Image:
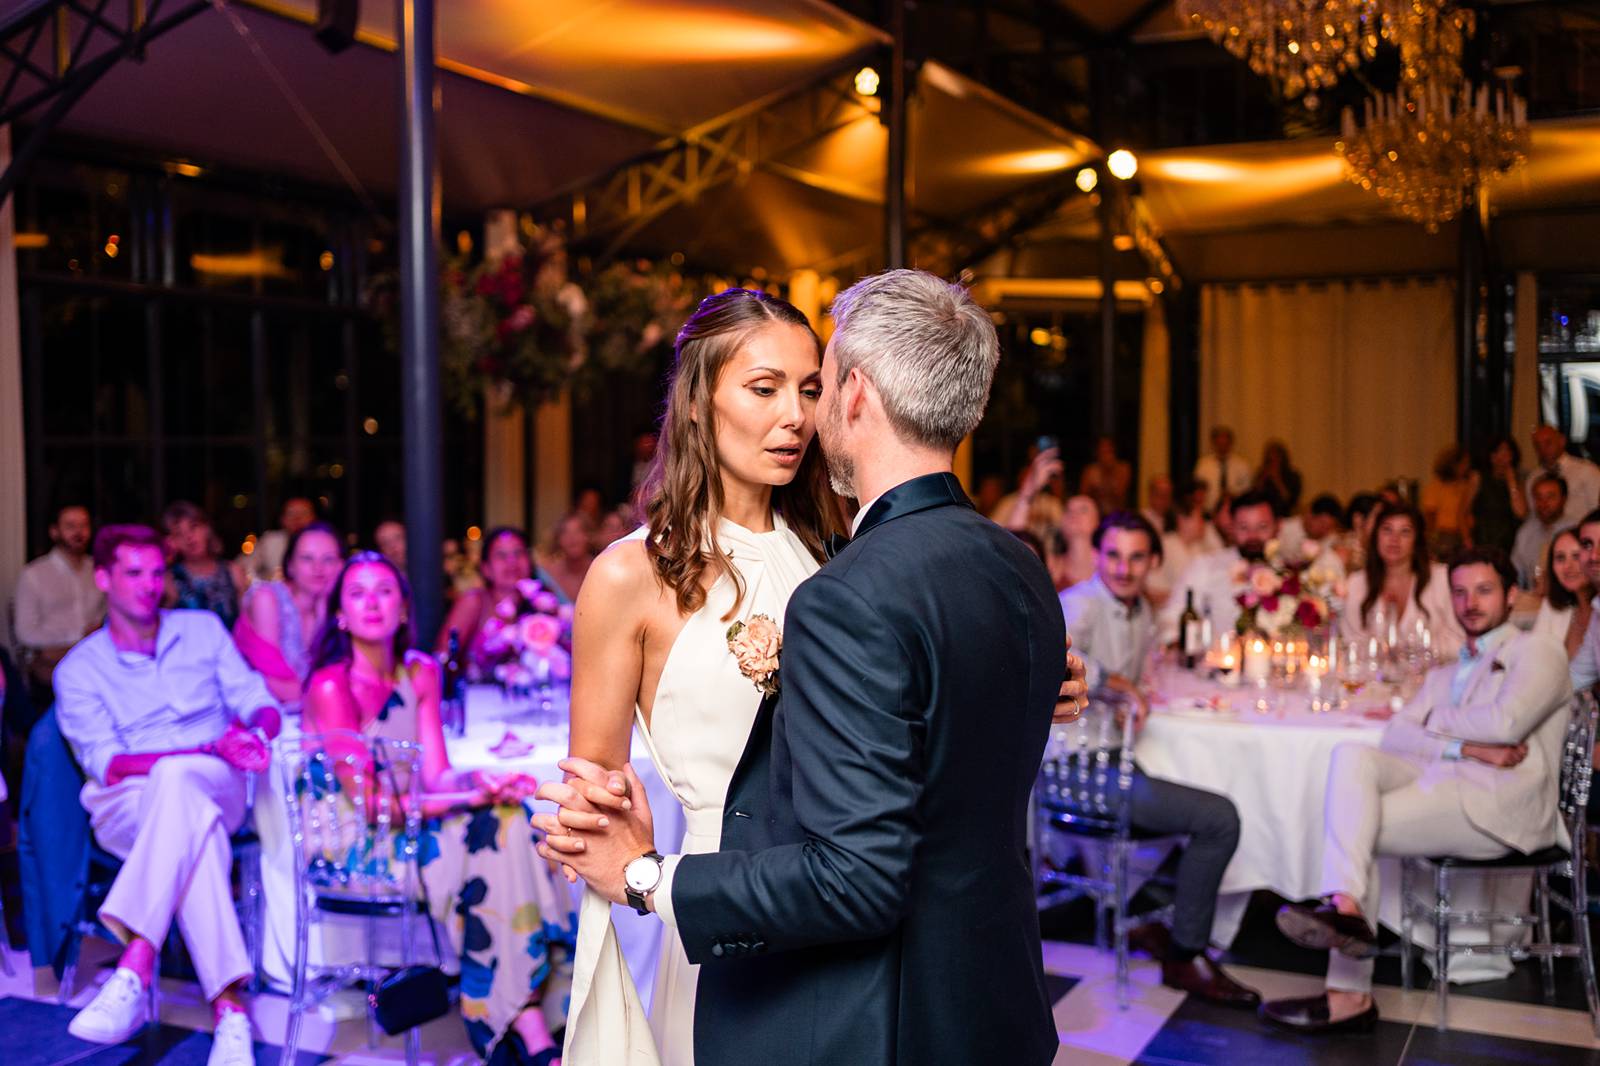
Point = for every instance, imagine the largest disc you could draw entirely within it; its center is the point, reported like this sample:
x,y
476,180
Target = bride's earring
x,y
341,624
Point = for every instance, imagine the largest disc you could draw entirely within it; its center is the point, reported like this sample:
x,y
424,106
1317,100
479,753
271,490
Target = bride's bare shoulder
x,y
623,570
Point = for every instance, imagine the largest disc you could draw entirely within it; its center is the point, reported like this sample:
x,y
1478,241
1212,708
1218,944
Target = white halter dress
x,y
703,713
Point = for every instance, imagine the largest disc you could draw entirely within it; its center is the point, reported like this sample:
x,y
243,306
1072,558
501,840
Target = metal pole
x,y
422,462
895,195
1105,410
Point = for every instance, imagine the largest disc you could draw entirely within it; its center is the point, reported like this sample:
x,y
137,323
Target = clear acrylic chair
x,y
1577,763
1083,791
354,815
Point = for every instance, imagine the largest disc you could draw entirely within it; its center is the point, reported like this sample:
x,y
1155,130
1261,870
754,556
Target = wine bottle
x,y
1190,644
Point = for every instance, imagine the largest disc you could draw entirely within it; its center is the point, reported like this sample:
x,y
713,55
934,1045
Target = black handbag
x,y
413,995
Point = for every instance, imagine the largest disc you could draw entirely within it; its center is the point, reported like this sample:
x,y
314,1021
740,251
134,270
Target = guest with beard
x,y
1215,579
1469,767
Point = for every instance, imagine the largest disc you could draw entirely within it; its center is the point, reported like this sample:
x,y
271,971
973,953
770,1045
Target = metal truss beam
x,y
54,51
947,250
762,135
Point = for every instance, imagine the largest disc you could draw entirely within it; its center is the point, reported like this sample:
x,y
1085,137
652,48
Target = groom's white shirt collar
x,y
855,525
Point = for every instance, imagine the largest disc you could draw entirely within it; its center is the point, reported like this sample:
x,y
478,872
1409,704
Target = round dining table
x,y
1268,748
526,734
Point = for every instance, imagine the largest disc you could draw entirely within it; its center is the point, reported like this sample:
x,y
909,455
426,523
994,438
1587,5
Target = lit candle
x,y
1228,668
1257,662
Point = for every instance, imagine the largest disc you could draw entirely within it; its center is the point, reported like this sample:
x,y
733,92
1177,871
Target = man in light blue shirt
x,y
166,720
1113,629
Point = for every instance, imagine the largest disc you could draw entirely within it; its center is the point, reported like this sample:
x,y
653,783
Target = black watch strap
x,y
636,900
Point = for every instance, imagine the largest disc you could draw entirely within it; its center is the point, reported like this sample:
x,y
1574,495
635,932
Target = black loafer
x,y
1323,928
1310,1016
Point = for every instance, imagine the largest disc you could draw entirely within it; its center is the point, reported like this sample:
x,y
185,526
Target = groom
x,y
872,901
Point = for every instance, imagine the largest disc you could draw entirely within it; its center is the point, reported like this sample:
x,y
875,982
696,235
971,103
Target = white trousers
x,y
1383,804
171,830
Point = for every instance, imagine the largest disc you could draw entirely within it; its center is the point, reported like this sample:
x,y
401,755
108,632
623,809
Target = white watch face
x,y
642,874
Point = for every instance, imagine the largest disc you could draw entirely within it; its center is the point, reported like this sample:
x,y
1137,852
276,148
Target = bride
x,y
737,507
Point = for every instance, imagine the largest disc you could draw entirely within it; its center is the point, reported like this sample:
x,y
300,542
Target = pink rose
x,y
547,603
1263,581
540,632
528,588
507,609
755,645
520,319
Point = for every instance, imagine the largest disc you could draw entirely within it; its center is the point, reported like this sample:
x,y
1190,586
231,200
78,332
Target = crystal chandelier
x,y
1303,46
1425,150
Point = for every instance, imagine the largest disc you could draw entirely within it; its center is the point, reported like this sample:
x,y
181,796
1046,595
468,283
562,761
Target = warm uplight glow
x,y
371,426
1040,336
1087,179
267,263
1123,242
1040,161
188,170
474,533
29,241
325,261
867,81
1155,285
1123,164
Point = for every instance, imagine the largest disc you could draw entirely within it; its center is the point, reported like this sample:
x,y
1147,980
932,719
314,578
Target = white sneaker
x,y
116,1012
231,1042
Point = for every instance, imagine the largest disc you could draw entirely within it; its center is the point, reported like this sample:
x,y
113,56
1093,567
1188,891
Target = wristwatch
x,y
640,878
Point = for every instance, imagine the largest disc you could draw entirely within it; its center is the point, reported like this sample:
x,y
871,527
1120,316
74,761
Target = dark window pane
x,y
67,365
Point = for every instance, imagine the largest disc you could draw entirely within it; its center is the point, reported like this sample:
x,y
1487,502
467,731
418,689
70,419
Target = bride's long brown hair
x,y
682,498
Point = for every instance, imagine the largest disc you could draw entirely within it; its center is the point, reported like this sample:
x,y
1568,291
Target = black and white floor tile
x,y
1503,1022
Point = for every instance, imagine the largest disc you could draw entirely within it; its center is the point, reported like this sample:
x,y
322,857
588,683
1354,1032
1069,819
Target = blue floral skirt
x,y
509,917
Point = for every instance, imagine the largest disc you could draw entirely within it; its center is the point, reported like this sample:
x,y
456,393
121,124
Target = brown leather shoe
x,y
1202,977
1310,1016
1152,938
1323,928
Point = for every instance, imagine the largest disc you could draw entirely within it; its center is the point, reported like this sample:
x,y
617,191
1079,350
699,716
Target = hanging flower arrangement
x,y
524,327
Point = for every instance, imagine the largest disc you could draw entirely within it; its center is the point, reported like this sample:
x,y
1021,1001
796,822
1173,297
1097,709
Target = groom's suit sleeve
x,y
858,776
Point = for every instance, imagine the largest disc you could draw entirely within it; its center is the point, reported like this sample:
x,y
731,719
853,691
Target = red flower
x,y
519,319
1291,584
1307,615
1269,604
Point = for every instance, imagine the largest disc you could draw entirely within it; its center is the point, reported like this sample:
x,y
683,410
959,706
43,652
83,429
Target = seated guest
x,y
1468,768
1277,478
265,562
1214,578
565,561
1586,664
1190,536
1446,500
1565,607
1499,504
1036,505
1352,544
1076,562
1549,495
166,719
617,523
1114,631
505,562
281,618
1581,477
390,539
199,579
482,867
1108,480
1308,538
1160,504
1401,586
57,601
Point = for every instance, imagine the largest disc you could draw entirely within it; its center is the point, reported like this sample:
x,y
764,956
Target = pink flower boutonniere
x,y
755,645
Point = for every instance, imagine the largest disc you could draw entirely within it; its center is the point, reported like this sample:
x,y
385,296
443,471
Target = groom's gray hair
x,y
927,347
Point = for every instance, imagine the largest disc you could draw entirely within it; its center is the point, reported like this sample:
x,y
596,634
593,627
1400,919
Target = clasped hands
x,y
602,823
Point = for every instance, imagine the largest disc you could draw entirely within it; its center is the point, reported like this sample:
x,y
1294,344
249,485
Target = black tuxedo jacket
x,y
872,901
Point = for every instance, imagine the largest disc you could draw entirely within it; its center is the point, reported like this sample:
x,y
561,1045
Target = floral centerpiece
x,y
1282,599
527,641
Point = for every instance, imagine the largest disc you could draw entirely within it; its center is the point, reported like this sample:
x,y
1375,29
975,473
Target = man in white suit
x,y
1469,768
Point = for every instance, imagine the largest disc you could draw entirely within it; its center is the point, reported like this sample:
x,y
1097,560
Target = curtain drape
x,y
1358,378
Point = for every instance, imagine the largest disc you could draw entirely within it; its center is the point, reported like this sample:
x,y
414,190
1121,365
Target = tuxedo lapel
x,y
909,497
1483,672
757,749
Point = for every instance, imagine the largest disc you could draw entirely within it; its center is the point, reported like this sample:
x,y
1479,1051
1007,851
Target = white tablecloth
x,y
489,718
1266,751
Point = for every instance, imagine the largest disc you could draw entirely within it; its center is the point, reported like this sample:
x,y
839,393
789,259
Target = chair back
x,y
1088,767
1577,765
355,815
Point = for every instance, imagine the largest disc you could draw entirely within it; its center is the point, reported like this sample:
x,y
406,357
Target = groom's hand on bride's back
x,y
1074,695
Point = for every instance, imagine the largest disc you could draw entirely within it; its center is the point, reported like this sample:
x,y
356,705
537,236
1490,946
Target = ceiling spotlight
x,y
1087,179
1122,164
867,81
